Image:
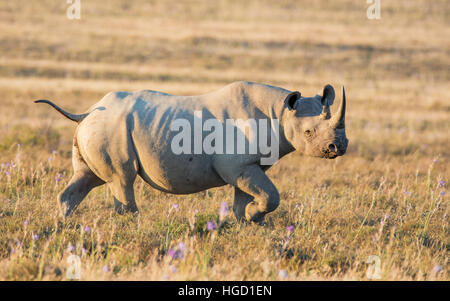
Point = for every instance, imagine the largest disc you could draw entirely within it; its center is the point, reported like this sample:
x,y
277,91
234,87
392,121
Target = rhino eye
x,y
309,134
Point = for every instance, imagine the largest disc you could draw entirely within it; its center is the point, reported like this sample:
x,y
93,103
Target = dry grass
x,y
385,197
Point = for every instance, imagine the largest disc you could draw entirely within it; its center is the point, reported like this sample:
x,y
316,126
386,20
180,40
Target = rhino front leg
x,y
255,183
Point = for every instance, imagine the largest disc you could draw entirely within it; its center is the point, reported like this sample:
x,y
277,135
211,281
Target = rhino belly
x,y
178,174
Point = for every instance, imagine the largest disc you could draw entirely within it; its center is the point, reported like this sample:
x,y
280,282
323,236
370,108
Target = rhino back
x,y
143,120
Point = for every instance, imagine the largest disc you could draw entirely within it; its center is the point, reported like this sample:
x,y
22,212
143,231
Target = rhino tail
x,y
74,117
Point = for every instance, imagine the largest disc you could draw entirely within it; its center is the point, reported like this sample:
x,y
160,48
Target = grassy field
x,y
388,196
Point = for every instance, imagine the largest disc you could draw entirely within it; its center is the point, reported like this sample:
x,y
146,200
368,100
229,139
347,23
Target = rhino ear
x,y
328,96
291,100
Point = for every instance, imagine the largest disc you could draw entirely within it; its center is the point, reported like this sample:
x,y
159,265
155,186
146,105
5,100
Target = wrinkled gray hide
x,y
129,133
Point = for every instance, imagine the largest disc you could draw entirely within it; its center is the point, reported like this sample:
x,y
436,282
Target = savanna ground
x,y
388,196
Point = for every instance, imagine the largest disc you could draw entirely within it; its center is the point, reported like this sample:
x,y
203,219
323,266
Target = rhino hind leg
x,y
111,154
124,200
122,182
83,181
255,183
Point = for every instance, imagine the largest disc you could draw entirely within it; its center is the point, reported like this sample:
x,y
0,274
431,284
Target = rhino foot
x,y
252,213
122,209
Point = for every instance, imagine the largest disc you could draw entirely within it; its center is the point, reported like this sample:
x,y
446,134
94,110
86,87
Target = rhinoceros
x,y
127,134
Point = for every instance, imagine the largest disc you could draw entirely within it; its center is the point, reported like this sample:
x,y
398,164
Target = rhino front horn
x,y
338,120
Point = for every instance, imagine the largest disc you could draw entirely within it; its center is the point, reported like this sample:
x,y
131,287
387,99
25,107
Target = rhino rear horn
x,y
338,120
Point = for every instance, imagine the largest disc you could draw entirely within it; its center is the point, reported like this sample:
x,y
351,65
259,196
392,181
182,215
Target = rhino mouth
x,y
331,156
327,154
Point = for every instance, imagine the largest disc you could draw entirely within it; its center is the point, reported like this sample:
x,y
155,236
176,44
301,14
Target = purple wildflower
x,y
83,250
178,252
35,236
71,248
290,229
175,206
437,269
210,226
106,269
406,192
58,177
173,269
442,193
441,183
172,253
383,221
223,211
26,222
283,274
182,246
87,229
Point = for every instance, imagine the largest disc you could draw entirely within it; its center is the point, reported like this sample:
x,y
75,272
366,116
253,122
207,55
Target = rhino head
x,y
311,129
